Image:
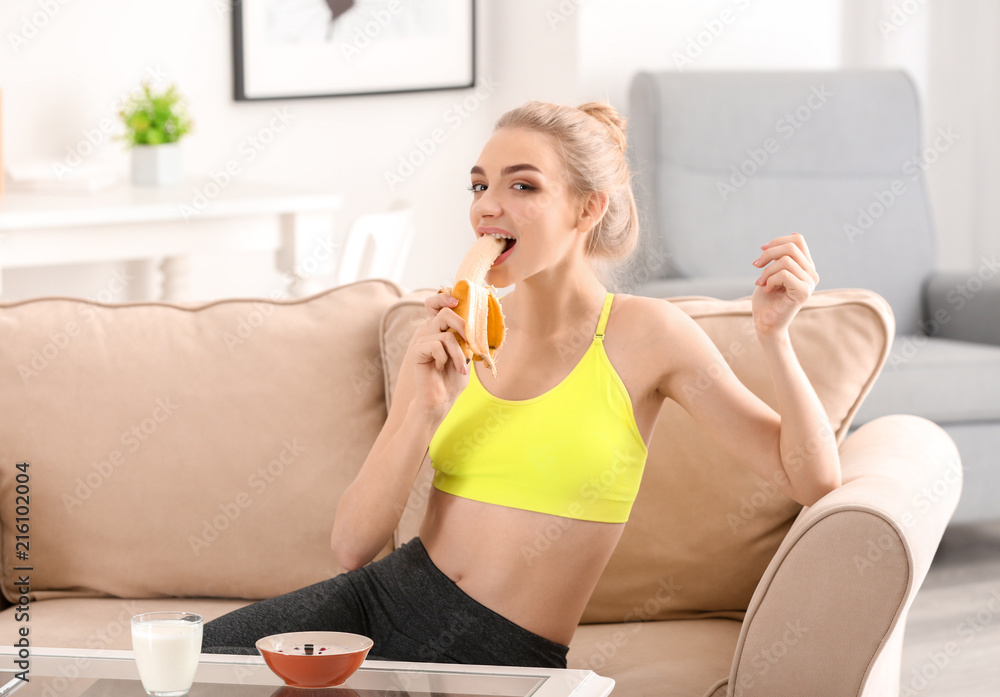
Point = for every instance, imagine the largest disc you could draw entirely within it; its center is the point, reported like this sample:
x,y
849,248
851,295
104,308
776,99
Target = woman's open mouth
x,y
507,250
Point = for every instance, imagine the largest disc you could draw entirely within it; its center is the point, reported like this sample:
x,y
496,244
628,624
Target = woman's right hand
x,y
440,371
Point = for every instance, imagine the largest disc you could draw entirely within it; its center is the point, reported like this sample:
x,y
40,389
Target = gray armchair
x,y
724,161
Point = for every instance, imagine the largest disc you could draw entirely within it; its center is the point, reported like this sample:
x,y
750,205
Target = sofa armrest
x,y
828,615
964,306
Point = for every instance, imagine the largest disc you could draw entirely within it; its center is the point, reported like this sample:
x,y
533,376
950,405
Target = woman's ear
x,y
595,205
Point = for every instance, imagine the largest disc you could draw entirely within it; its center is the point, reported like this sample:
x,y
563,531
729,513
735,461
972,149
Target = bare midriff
x,y
535,569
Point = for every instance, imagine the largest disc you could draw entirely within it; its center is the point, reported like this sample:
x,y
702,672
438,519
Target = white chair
x,y
377,246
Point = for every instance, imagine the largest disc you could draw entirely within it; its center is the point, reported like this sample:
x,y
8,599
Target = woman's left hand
x,y
788,279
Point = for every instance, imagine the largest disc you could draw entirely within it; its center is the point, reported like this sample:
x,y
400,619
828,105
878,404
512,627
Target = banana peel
x,y
478,304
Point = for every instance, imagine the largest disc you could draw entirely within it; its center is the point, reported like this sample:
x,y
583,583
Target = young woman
x,y
517,452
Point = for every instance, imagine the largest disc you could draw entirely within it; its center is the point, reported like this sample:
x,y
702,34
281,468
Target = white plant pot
x,y
157,165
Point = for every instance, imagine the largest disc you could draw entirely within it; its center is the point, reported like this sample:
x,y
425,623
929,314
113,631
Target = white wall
x,y
68,77
950,50
616,39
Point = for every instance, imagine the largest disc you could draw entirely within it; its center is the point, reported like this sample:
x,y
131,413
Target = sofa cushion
x,y
704,527
102,623
185,449
680,658
946,381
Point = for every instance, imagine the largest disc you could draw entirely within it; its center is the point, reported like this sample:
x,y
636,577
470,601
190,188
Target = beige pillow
x,y
704,527
398,326
186,450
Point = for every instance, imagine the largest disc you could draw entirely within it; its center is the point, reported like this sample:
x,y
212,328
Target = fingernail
x,y
756,262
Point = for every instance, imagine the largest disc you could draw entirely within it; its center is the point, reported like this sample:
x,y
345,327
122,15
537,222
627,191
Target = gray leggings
x,y
405,604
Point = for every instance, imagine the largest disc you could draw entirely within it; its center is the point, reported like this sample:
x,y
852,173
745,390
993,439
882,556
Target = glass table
x,y
108,673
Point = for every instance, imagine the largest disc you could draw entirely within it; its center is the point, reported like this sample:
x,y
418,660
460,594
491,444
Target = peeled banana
x,y
477,304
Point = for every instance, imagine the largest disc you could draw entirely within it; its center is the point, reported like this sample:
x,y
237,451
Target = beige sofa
x,y
192,457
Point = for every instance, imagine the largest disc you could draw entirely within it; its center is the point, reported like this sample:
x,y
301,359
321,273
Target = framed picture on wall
x,y
286,49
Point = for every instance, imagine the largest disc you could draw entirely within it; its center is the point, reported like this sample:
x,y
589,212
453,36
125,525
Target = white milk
x,y
166,653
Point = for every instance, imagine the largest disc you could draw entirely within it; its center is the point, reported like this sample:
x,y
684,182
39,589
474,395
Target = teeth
x,y
498,235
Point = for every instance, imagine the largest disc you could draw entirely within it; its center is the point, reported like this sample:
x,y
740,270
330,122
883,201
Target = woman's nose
x,y
486,205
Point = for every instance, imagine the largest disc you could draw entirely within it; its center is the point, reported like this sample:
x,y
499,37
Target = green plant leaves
x,y
153,119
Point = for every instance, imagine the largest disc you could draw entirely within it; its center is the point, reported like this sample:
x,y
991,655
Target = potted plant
x,y
154,125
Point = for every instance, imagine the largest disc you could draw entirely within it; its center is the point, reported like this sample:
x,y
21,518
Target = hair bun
x,y
609,116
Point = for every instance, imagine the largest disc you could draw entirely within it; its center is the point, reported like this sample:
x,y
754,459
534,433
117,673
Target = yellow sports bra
x,y
574,451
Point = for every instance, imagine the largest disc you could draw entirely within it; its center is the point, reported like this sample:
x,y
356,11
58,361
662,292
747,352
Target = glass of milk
x,y
167,646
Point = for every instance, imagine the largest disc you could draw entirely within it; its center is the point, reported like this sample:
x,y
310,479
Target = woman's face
x,y
520,188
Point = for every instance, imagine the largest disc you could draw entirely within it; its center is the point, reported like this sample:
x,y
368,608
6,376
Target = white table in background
x,y
128,222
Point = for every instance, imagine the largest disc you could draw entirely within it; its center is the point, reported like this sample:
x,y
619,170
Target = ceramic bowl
x,y
314,659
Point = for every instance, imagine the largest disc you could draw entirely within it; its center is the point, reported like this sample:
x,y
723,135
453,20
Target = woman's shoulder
x,y
643,313
646,338
653,329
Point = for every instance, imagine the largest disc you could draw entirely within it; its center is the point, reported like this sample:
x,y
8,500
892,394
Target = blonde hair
x,y
591,139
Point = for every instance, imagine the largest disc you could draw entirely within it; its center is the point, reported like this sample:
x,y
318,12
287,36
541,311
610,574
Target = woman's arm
x,y
372,504
794,448
808,446
432,374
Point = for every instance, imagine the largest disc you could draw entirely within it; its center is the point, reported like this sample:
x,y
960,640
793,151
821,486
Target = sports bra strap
x,y
605,311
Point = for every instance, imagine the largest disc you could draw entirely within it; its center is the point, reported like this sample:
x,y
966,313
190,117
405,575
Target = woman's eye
x,y
521,186
477,188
